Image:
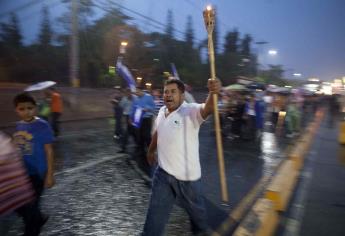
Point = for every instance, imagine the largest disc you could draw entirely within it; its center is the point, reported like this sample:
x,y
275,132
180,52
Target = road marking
x,y
88,164
139,171
293,224
80,133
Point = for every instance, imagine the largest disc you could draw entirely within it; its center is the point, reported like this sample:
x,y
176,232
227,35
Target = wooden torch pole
x,y
209,18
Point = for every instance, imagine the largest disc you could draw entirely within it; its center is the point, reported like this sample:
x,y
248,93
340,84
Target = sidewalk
x,y
318,205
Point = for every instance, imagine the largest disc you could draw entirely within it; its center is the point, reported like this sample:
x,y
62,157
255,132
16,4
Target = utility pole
x,y
74,49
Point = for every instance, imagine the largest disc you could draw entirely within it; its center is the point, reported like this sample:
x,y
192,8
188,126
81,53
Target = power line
x,y
158,24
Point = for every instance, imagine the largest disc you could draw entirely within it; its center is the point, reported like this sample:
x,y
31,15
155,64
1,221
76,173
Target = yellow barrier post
x,y
342,132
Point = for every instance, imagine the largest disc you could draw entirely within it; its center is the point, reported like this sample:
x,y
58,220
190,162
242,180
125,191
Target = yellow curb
x,y
261,220
342,133
284,181
281,186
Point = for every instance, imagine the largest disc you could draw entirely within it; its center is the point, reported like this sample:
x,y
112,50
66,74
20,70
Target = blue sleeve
x,y
134,104
47,135
151,104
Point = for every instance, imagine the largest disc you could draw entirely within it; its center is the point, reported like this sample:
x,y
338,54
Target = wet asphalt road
x,y
101,192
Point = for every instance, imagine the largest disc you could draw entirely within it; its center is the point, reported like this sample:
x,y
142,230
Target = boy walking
x,y
34,137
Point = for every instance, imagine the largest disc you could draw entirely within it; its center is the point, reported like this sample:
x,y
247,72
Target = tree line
x,y
148,55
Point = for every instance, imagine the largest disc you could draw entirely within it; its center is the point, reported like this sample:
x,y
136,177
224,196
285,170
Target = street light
x,y
297,74
139,79
272,52
148,86
123,46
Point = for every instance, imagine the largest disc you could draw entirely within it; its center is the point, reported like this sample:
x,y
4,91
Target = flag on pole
x,y
123,71
174,71
137,116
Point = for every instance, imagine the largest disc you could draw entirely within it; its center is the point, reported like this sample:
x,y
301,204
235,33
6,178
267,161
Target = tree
x,y
231,42
230,60
10,33
11,53
245,46
169,30
46,33
99,45
189,34
189,63
249,61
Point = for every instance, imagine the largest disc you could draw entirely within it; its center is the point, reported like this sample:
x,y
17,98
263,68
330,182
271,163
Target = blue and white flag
x,y
137,116
123,71
174,71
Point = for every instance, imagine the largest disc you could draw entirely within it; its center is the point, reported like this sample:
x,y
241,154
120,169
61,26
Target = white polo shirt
x,y
178,141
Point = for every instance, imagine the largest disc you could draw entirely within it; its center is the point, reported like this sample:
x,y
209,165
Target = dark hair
x,y
179,83
23,97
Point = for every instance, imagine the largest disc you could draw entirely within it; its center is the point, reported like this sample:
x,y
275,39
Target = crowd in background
x,y
245,114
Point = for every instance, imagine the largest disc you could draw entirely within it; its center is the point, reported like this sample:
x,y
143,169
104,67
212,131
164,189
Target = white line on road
x,y
293,223
89,164
80,133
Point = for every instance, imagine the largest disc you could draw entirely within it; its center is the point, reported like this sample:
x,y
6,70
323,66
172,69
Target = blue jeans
x,y
166,189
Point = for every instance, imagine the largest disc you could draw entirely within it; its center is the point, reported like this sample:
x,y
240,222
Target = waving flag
x,y
174,71
137,116
123,71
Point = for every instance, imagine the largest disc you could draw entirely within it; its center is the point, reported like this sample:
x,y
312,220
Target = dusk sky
x,y
309,35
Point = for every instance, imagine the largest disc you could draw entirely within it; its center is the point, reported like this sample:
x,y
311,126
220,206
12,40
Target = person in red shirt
x,y
55,108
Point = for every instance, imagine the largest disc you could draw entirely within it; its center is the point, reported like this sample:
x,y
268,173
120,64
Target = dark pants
x,y
31,212
144,135
274,119
166,190
55,122
237,126
127,133
251,127
118,122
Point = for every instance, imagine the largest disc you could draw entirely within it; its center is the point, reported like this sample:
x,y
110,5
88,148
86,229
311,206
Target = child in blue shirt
x,y
34,137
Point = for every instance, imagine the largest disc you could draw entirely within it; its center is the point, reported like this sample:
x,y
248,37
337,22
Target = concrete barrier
x,y
300,149
296,156
281,186
262,220
342,132
263,216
